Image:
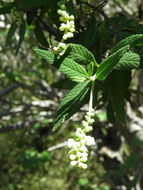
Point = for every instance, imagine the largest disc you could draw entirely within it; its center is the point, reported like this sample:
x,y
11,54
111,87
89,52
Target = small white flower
x,y
67,35
63,13
72,30
68,25
70,34
90,141
77,133
87,118
72,156
84,124
62,45
82,141
62,27
83,159
79,129
91,114
88,129
84,154
82,165
59,11
83,148
78,144
71,143
91,121
55,49
71,17
79,154
71,23
73,163
80,134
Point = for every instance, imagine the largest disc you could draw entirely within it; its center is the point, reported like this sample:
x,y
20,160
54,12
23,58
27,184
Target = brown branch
x,y
48,27
97,9
8,89
13,128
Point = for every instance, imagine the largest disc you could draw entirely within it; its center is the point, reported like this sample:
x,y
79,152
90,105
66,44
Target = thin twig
x,y
61,145
48,27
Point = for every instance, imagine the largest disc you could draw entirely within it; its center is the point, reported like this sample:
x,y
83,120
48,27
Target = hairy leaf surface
x,y
80,54
72,102
48,56
75,71
109,63
131,40
129,61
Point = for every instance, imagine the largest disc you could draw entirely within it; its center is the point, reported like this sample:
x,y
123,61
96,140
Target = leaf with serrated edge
x,y
109,63
129,61
75,71
81,54
131,40
72,108
48,56
72,102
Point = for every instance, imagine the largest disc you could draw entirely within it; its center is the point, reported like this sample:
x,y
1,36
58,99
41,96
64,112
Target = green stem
x,y
96,64
91,96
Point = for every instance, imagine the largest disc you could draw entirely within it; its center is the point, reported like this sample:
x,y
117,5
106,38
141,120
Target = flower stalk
x,y
67,27
78,145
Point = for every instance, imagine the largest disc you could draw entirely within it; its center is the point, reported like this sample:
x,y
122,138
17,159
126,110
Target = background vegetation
x,y
32,157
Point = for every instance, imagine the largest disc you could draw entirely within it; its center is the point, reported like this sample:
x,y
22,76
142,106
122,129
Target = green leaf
x,y
6,9
109,63
80,54
72,102
47,55
21,34
90,68
40,35
11,33
75,71
89,34
131,40
118,90
74,93
129,61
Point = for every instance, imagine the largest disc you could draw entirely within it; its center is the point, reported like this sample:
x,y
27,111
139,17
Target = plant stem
x,y
91,96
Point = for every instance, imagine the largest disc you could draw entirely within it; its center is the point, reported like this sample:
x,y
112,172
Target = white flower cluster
x,y
67,26
79,152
